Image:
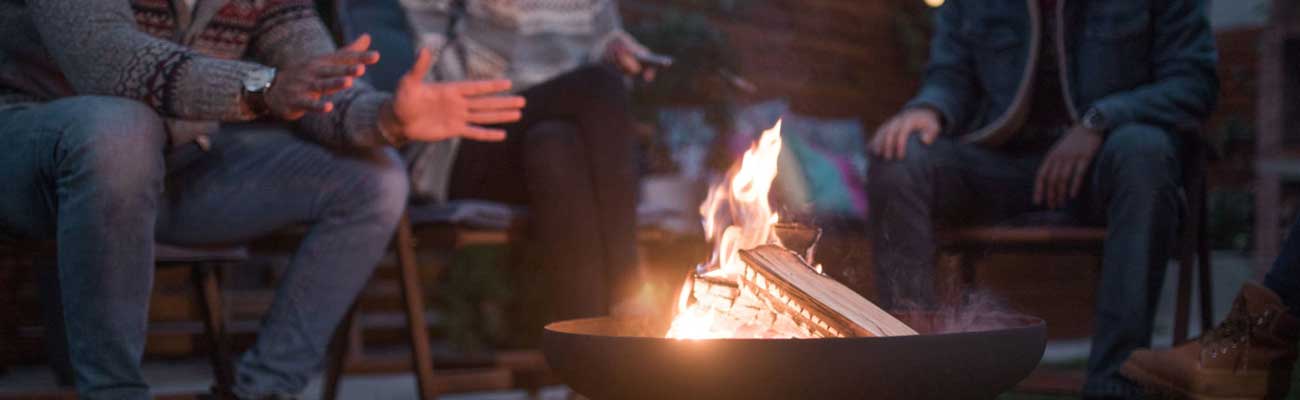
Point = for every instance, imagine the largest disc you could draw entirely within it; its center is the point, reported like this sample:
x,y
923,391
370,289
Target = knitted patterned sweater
x,y
186,64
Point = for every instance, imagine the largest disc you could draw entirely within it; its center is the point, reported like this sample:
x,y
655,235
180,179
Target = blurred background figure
x,y
1047,105
570,160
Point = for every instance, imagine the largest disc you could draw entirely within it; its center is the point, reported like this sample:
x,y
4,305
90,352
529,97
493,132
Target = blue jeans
x,y
96,174
1133,189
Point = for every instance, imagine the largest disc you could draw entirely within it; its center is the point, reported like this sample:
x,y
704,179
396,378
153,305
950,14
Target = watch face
x,y
258,80
1094,120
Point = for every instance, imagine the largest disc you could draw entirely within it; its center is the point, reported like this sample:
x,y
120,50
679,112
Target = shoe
x,y
1249,355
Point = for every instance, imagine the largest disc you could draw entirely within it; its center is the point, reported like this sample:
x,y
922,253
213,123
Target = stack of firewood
x,y
742,312
780,295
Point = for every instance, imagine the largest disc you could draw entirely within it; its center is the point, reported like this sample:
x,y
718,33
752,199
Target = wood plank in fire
x,y
816,301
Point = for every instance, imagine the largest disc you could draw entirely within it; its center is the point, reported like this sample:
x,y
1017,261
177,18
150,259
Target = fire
x,y
743,198
736,215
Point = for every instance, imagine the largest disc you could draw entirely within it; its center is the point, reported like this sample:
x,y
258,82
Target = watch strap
x,y
256,101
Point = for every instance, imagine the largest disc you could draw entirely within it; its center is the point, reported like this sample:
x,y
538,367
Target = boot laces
x,y
1233,331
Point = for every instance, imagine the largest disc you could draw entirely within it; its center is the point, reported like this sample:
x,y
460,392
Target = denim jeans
x,y
96,174
1284,277
1133,189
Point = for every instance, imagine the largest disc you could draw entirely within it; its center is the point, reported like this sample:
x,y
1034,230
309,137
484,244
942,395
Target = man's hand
x,y
435,111
298,89
1061,176
890,140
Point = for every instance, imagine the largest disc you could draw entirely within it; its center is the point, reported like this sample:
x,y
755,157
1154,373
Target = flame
x,y
742,198
736,215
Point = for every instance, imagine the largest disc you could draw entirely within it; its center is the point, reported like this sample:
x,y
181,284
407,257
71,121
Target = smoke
x,y
939,303
977,311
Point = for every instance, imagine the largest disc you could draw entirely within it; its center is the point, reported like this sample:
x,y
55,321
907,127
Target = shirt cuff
x,y
362,120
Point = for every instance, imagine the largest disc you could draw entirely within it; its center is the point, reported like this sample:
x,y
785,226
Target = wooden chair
x,y
442,231
204,263
970,244
1193,251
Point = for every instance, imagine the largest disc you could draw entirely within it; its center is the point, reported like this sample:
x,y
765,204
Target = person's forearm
x,y
354,122
296,34
101,52
390,126
1185,87
1183,103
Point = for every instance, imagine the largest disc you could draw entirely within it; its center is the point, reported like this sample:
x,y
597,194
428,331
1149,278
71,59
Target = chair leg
x,y
1184,303
338,356
8,311
206,281
1204,265
413,297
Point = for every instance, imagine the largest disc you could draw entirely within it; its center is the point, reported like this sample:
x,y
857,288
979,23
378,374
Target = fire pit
x,y
607,359
760,320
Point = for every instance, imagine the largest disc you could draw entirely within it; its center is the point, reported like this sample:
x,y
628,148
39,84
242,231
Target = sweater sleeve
x,y
101,51
289,32
608,26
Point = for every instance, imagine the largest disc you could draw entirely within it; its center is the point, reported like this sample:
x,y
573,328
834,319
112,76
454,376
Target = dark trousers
x,y
571,161
1284,277
1133,189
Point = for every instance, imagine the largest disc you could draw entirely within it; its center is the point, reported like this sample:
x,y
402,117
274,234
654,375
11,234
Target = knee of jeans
x,y
1139,153
115,141
894,174
380,185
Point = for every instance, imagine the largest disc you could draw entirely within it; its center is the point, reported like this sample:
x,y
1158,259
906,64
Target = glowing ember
x,y
737,216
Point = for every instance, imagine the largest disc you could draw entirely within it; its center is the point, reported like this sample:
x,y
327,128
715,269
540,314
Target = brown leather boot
x,y
1250,354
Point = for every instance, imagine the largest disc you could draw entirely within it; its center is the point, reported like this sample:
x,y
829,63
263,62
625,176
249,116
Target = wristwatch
x,y
254,87
1096,121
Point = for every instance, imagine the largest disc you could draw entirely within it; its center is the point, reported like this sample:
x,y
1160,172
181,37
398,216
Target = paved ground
x,y
1230,271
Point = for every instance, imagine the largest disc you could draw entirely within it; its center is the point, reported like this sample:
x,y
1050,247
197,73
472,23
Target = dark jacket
x,y
1135,61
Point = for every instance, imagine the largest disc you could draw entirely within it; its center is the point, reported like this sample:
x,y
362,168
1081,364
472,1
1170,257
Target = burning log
x,y
768,291
738,313
814,301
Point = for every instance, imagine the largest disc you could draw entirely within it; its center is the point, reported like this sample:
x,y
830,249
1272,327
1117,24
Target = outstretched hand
x,y
425,111
300,88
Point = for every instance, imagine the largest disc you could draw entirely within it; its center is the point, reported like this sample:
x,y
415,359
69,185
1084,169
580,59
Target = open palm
x,y
429,111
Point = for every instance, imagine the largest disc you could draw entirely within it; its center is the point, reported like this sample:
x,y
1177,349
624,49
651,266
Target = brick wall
x,y
831,58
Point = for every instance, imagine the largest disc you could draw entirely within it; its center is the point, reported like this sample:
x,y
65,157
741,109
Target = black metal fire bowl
x,y
609,359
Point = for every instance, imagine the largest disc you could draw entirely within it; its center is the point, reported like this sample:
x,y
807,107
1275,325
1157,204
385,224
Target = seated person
x,y
1081,106
1250,355
117,117
571,158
